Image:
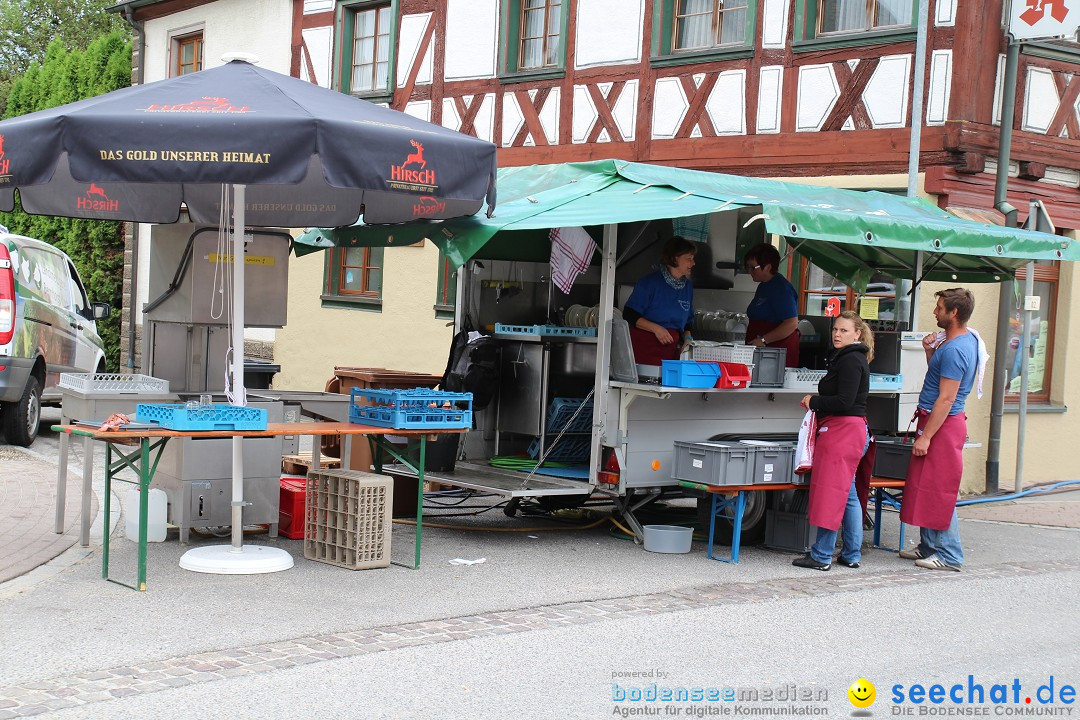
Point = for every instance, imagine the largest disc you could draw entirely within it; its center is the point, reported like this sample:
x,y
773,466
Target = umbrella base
x,y
226,560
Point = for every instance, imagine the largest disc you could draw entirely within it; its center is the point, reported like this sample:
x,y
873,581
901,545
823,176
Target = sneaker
x,y
913,554
845,563
808,562
935,563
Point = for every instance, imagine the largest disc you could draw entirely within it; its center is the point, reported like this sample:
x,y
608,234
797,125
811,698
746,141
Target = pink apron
x,y
839,457
933,479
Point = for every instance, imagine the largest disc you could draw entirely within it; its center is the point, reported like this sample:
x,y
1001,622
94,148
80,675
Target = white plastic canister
x,y
157,508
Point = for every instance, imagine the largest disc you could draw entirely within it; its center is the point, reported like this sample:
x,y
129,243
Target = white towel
x,y
571,251
984,356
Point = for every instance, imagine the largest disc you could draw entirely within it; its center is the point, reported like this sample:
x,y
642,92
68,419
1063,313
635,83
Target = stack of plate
x,y
582,316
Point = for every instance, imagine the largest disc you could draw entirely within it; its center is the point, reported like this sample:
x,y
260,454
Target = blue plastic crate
x,y
879,381
544,330
202,417
562,409
689,374
419,408
569,449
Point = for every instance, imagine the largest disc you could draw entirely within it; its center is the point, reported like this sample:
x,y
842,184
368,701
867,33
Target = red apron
x,y
757,328
839,457
649,351
933,479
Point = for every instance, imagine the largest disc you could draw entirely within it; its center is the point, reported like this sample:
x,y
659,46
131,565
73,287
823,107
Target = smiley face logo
x,y
862,693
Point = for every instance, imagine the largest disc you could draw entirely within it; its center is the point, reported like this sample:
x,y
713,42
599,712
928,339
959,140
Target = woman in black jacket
x,y
841,445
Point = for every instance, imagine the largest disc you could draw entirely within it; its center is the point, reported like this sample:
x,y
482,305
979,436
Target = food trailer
x,y
558,362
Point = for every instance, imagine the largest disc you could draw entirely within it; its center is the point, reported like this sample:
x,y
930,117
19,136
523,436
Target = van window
x,y
45,275
78,295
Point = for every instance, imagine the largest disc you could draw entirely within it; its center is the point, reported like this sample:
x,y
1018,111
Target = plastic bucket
x,y
668,538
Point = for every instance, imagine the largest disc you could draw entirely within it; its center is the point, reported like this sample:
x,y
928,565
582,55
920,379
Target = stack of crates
x,y
348,518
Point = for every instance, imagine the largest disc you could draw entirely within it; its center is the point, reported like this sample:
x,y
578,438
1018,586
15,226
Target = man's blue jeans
x,y
851,526
945,543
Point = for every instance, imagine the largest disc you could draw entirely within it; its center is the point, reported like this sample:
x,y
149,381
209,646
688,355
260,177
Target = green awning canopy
x,y
847,233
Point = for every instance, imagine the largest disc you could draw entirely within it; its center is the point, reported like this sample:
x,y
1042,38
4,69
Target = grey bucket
x,y
668,538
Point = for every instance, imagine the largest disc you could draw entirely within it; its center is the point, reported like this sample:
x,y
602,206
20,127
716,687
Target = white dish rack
x,y
112,383
723,352
802,378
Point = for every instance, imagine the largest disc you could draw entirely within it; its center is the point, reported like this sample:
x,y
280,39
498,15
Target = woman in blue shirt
x,y
774,311
660,310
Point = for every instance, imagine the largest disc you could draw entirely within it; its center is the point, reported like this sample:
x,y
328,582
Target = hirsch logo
x,y
205,105
96,200
428,205
413,174
5,164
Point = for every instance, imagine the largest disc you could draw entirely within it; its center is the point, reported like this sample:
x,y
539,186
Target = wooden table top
x,y
272,429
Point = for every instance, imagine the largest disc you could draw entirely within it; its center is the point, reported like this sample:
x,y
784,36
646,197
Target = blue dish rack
x,y
202,417
417,409
879,381
569,449
544,330
562,409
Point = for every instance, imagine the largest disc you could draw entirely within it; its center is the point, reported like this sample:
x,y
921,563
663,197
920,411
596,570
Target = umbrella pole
x,y
238,397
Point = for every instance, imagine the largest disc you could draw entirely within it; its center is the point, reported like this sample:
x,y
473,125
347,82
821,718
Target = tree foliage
x,y
95,246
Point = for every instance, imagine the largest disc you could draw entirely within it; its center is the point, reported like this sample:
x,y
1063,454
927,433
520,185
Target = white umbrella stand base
x,y
227,560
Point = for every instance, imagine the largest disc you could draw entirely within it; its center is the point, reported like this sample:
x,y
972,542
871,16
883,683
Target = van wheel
x,y
753,525
22,418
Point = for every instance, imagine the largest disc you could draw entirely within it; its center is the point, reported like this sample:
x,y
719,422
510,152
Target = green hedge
x,y
95,246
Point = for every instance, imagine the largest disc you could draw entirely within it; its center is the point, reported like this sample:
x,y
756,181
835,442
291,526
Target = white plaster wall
x,y
937,106
774,24
818,91
585,113
419,109
770,87
484,122
625,110
314,6
727,103
472,39
998,89
411,33
945,14
608,31
513,120
669,107
886,94
1041,102
405,335
320,46
260,27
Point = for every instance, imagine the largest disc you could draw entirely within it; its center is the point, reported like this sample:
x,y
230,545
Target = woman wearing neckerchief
x,y
843,452
660,310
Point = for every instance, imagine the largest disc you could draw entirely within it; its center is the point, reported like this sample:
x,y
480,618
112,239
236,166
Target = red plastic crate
x,y
291,510
733,375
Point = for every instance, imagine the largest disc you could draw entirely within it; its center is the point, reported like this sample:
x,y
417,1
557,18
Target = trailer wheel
x,y
753,525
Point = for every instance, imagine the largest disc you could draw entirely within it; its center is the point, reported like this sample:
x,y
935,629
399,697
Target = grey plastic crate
x,y
893,457
769,366
713,462
772,462
789,531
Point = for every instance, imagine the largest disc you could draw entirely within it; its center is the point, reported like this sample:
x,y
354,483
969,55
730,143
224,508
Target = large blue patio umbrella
x,y
281,151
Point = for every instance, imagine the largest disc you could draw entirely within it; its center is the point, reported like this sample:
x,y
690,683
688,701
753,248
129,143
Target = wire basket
x,y
802,378
112,383
723,352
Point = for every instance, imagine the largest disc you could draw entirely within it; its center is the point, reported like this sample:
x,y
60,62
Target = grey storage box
x,y
893,457
713,462
772,462
769,366
789,531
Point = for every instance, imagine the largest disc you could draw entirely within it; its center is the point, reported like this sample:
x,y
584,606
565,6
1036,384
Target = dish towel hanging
x,y
571,251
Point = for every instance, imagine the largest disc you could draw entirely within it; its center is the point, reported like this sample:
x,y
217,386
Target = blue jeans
x,y
945,543
851,526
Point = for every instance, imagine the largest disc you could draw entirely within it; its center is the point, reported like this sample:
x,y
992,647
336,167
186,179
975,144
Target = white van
x,y
47,327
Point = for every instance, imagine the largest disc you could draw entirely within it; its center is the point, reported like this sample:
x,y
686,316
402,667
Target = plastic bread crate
x,y
202,417
733,376
713,462
769,367
348,518
803,378
416,409
689,374
886,382
112,383
569,449
544,330
893,458
562,409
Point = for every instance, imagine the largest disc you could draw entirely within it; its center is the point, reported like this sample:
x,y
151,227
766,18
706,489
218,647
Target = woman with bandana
x,y
660,310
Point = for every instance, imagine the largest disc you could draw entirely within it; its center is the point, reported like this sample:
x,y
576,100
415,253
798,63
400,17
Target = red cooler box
x,y
292,506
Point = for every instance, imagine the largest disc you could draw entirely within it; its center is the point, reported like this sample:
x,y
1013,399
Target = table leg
x,y
61,485
712,526
87,490
108,504
878,499
144,504
420,499
736,533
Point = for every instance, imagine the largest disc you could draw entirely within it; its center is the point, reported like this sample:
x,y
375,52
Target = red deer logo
x,y
95,190
96,201
417,156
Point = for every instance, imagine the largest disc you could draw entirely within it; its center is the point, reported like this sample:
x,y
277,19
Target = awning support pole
x,y
998,377
1025,345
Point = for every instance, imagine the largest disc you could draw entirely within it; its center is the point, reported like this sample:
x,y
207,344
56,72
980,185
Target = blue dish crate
x,y
562,409
569,449
689,374
545,330
419,408
879,381
202,417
